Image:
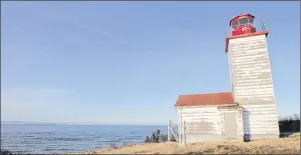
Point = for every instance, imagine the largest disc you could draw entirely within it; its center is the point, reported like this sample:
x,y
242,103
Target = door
x,y
231,126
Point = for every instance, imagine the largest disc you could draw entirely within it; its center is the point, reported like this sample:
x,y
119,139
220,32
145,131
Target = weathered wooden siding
x,y
252,84
260,121
250,67
204,124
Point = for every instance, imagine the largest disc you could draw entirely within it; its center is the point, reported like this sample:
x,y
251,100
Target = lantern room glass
x,y
252,22
243,22
234,24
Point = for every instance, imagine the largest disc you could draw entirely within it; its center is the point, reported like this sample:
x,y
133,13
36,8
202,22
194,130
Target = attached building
x,y
209,117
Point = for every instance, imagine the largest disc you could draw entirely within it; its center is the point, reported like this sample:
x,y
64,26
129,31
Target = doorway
x,y
231,125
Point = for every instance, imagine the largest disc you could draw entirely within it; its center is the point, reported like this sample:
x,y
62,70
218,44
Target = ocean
x,y
51,138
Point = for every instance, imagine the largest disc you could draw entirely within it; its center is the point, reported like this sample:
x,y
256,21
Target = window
x,y
252,21
243,21
235,24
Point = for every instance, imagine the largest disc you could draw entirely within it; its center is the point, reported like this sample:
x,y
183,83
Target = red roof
x,y
241,15
205,99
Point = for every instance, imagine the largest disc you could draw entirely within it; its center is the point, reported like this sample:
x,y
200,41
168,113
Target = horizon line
x,y
64,123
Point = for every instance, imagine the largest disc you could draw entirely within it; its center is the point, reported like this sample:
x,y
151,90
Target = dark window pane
x,y
243,21
252,21
235,24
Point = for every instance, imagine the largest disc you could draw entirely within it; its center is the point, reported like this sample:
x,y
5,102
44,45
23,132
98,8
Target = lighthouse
x,y
251,77
246,112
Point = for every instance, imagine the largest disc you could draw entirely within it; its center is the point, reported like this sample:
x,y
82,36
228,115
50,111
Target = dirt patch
x,y
290,145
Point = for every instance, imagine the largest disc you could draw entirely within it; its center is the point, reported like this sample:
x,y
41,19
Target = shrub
x,y
156,137
163,138
289,124
5,152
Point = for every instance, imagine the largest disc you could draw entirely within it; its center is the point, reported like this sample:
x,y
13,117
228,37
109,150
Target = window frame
x,y
245,23
237,25
253,23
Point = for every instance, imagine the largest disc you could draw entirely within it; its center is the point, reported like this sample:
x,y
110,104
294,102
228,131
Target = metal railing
x,y
171,132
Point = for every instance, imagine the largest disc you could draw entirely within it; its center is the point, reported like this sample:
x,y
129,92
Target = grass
x,y
253,148
232,149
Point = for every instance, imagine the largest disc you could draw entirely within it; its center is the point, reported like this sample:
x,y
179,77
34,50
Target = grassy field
x,y
289,145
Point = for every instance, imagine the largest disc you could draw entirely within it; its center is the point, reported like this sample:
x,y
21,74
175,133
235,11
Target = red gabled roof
x,y
205,99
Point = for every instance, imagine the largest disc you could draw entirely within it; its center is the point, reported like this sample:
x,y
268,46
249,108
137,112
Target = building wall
x,y
260,121
253,86
197,124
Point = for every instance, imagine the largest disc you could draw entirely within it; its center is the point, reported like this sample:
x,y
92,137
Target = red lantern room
x,y
242,24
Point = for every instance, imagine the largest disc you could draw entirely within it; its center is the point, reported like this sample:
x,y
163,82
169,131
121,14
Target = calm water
x,y
70,138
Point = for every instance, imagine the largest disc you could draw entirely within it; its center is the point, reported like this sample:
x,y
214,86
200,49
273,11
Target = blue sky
x,y
127,62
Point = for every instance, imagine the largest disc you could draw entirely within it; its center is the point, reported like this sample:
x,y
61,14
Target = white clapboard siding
x,y
200,120
260,119
249,60
252,84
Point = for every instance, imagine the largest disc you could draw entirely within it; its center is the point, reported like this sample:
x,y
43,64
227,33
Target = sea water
x,y
51,138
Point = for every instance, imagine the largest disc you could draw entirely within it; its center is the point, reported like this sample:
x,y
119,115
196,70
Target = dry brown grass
x,y
290,145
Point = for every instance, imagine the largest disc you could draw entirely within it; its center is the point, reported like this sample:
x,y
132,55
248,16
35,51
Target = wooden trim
x,y
199,106
236,107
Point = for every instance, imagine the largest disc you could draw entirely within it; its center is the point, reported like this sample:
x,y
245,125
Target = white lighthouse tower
x,y
251,78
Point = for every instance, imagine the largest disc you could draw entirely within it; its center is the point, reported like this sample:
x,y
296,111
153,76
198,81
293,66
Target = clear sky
x,y
127,62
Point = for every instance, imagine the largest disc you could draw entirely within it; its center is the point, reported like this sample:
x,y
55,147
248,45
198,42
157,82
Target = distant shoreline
x,y
53,123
